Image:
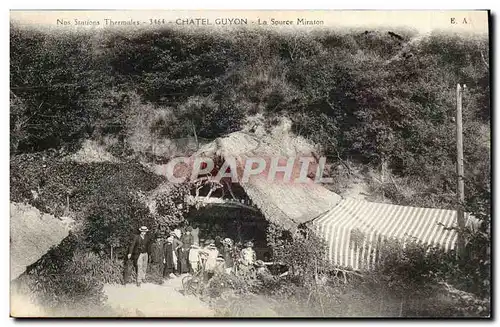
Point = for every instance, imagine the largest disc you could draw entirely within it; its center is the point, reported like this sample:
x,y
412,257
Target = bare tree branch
x,y
484,60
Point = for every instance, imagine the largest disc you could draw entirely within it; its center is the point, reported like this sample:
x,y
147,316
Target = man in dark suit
x,y
156,258
138,252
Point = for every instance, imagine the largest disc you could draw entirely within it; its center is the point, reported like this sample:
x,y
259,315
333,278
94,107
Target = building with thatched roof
x,y
353,229
281,201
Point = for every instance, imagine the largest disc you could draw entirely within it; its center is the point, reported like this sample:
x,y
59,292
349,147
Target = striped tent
x,y
354,229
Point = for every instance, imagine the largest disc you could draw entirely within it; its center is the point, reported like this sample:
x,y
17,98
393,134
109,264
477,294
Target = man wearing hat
x,y
228,254
170,258
176,245
138,252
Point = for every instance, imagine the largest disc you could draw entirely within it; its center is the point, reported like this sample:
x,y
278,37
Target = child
x,y
247,259
218,244
261,271
220,267
248,255
194,258
260,268
211,255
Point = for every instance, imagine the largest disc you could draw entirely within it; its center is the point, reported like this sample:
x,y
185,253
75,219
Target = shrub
x,y
303,253
91,265
56,180
204,116
169,204
114,219
420,277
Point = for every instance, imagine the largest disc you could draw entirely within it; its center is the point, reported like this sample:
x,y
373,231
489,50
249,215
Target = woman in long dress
x,y
168,267
171,247
176,234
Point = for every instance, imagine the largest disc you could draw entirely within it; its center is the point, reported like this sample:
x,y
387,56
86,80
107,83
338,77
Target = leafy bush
x,y
303,254
421,278
57,180
169,205
228,283
113,220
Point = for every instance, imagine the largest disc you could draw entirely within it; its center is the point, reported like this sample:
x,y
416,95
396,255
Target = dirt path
x,y
152,300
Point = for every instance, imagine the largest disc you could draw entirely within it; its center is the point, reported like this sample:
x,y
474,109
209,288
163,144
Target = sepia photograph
x,y
245,163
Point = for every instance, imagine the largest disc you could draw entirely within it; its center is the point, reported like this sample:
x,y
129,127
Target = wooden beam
x,y
460,174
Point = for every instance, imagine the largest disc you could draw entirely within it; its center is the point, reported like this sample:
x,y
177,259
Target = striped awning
x,y
354,230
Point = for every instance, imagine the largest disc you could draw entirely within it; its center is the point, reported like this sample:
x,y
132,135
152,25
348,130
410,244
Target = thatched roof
x,y
287,204
32,234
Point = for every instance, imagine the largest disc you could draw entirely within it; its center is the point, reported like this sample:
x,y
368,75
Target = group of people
x,y
184,252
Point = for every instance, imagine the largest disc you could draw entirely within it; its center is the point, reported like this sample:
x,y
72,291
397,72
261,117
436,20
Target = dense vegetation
x,y
371,97
384,100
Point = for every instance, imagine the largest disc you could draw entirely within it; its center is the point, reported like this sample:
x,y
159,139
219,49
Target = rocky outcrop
x,y
32,234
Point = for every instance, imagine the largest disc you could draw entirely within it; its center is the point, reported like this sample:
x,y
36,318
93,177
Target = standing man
x,y
156,258
228,254
138,251
187,241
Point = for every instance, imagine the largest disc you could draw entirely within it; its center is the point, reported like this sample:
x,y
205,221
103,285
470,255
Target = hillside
x,y
384,100
96,116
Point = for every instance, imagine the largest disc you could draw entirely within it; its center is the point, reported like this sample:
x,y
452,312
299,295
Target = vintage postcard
x,y
168,163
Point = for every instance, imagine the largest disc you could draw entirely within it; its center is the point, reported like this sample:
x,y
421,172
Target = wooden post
x,y
460,174
153,148
383,170
195,135
66,213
